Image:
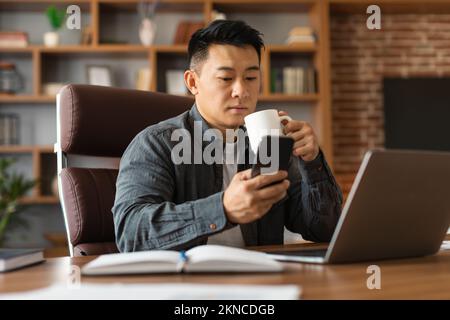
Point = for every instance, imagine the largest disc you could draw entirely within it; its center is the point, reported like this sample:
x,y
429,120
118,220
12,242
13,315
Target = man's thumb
x,y
245,175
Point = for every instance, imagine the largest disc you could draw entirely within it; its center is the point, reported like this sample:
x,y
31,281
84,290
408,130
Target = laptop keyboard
x,y
303,253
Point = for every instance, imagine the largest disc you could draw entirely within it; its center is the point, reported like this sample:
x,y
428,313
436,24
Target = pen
x,y
183,261
183,256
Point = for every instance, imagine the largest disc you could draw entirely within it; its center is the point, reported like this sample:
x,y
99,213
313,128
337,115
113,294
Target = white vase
x,y
147,31
51,39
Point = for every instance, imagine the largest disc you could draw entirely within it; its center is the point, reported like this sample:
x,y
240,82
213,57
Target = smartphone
x,y
285,145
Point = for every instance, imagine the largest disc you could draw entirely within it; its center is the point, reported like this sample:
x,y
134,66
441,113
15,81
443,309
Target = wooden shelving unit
x,y
277,97
36,152
317,53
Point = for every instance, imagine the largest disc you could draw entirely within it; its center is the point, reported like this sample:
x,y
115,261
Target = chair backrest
x,y
94,127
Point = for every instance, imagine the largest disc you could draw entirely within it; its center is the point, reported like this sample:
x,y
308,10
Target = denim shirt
x,y
162,205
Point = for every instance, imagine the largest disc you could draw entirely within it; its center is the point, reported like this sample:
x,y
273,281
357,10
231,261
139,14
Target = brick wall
x,y
407,45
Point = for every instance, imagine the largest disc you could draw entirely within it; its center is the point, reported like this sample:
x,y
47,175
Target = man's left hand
x,y
306,145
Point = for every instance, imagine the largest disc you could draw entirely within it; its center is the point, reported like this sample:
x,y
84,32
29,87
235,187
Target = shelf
x,y
11,98
99,48
391,6
40,5
176,48
165,6
27,49
25,149
104,48
292,48
263,6
39,200
49,99
311,97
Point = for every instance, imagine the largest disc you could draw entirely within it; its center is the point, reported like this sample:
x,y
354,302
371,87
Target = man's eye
x,y
226,79
251,78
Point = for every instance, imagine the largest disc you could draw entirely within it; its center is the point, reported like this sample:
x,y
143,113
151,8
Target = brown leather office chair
x,y
94,126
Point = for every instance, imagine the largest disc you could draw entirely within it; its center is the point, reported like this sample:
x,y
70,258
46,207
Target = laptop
x,y
398,207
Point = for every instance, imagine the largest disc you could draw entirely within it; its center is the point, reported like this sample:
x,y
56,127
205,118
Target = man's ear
x,y
190,79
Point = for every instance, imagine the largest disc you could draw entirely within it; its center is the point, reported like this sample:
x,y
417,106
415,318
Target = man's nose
x,y
240,89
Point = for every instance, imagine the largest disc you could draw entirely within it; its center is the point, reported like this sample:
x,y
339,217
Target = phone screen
x,y
269,161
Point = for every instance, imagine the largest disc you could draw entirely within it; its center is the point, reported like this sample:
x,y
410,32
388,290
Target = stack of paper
x,y
159,292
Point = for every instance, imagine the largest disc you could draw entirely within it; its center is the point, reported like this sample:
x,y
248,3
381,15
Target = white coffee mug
x,y
263,123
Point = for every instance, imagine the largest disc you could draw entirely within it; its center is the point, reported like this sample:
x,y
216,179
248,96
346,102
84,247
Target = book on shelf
x,y
185,30
180,33
9,129
300,40
11,259
13,39
217,15
299,35
143,79
289,80
310,81
293,80
205,258
194,26
276,78
51,89
86,35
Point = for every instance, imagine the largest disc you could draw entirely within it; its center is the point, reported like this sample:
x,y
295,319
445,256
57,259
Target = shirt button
x,y
213,226
320,168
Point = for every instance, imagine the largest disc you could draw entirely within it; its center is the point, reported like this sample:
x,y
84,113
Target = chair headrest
x,y
102,121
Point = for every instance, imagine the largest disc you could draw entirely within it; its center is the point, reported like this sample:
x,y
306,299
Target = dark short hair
x,y
236,33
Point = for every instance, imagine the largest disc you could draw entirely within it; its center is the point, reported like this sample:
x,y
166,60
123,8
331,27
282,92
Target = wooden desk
x,y
418,278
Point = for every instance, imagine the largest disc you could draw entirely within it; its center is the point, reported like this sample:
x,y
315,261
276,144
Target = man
x,y
163,205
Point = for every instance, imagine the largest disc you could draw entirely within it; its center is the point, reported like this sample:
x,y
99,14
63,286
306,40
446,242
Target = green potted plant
x,y
56,19
12,187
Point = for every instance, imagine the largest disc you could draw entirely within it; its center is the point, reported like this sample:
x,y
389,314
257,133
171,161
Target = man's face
x,y
227,85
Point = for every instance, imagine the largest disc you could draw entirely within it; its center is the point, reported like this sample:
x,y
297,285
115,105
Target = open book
x,y
206,258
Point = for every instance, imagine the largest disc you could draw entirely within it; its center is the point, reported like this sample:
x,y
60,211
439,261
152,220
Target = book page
x,y
215,258
134,262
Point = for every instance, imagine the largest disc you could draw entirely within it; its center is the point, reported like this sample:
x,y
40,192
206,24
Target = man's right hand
x,y
247,199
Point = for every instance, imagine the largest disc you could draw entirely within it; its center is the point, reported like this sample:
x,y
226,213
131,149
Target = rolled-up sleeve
x,y
145,216
315,200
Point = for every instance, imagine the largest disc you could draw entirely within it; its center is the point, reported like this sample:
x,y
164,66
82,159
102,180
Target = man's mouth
x,y
238,107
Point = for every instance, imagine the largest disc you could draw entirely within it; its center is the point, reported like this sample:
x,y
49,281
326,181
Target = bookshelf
x,y
43,162
114,22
